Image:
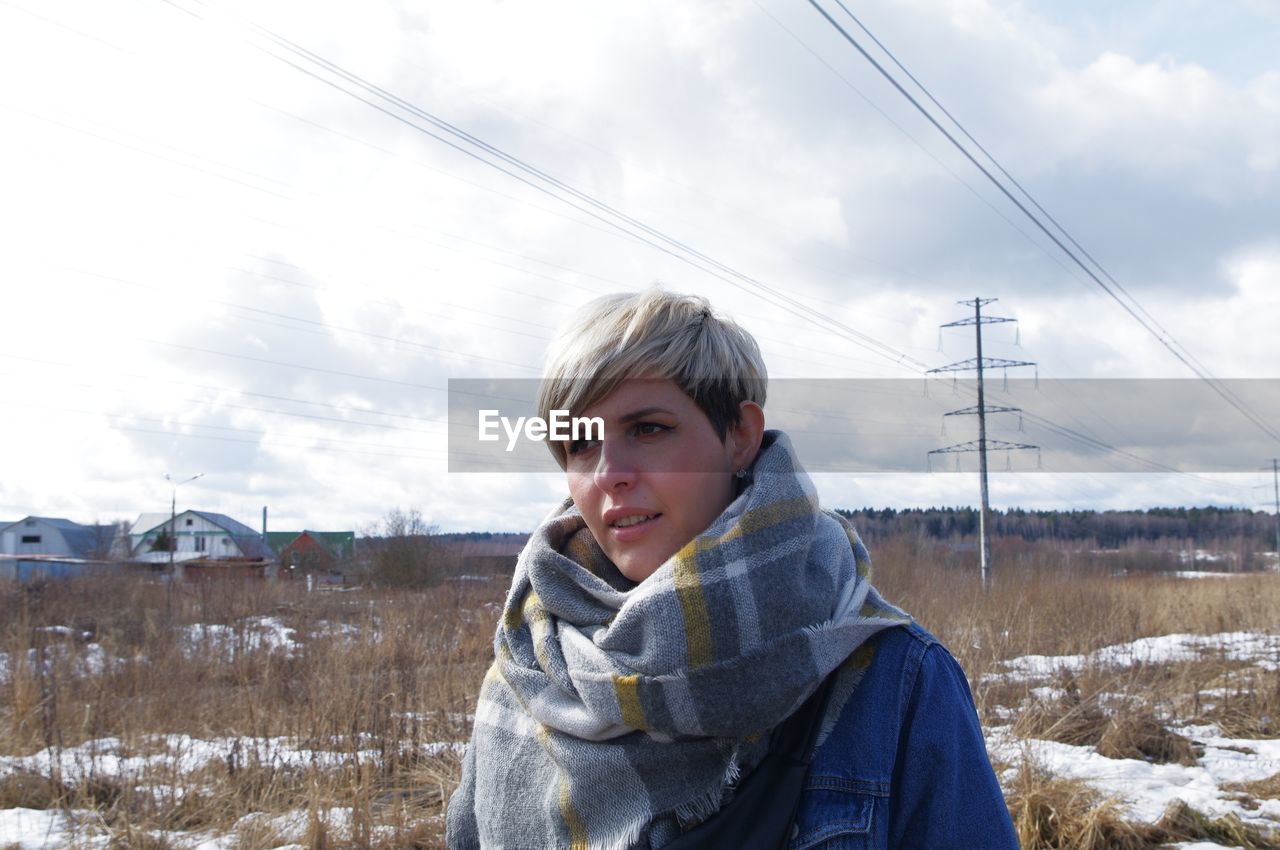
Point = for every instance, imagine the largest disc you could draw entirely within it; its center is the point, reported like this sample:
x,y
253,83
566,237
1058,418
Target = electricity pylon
x,y
980,364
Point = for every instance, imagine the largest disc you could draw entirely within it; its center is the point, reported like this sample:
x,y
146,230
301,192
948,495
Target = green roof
x,y
341,544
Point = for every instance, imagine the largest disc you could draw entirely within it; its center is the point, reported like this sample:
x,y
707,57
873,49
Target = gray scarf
x,y
617,715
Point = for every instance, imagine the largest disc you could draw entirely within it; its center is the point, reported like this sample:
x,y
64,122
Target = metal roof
x,y
340,544
252,546
82,540
222,520
147,522
87,541
57,522
152,521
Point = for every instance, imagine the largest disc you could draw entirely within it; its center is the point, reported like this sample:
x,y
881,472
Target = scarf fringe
x,y
704,806
628,841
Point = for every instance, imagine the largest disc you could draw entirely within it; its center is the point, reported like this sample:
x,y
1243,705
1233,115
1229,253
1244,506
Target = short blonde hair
x,y
657,335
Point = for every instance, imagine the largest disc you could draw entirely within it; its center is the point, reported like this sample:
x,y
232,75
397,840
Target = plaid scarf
x,y
618,715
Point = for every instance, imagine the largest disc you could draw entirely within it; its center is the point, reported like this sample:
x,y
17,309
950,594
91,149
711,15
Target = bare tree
x,y
402,550
106,540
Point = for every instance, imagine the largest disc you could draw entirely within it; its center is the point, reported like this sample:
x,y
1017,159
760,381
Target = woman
x,y
689,626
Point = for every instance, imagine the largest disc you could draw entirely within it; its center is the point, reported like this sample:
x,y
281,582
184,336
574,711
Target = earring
x,y
741,473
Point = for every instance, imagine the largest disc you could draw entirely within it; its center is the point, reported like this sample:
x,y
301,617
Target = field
x,y
239,716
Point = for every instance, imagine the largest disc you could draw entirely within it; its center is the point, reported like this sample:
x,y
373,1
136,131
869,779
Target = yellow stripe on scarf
x,y
767,516
577,829
697,620
582,553
530,608
871,610
861,657
627,689
859,553
533,613
493,674
688,582
572,820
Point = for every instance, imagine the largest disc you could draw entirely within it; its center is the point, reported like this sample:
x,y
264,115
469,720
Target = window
x,y
201,543
226,541
30,523
190,522
31,538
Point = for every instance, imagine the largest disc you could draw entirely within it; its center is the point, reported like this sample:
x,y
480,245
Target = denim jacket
x,y
905,766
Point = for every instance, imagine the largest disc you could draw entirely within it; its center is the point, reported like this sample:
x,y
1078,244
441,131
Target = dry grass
x,y
1126,728
373,682
1266,789
1183,823
25,790
1042,602
1250,707
378,677
1051,812
1139,735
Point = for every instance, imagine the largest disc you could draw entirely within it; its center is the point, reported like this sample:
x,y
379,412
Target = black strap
x,y
762,810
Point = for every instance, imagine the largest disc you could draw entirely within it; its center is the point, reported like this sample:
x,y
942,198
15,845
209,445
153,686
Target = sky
x,y
223,257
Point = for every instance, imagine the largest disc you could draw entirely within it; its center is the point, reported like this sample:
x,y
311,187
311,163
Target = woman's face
x,y
659,476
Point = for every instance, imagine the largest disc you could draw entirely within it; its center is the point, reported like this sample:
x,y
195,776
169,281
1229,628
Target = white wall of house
x,y
197,538
32,536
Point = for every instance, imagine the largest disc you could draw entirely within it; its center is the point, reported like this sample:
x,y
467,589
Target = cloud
x,y
172,168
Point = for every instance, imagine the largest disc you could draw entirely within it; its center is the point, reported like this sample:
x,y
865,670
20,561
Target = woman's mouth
x,y
625,522
631,527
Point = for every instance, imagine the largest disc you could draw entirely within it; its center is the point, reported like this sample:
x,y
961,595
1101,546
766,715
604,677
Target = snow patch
x,y
1260,649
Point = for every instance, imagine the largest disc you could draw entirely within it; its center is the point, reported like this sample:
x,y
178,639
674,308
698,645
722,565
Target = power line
x,y
68,28
890,352
399,452
1159,331
218,403
402,451
138,148
313,322
237,391
790,304
399,307
849,84
809,318
544,182
1214,383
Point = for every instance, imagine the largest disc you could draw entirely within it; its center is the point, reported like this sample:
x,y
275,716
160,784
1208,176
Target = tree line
x,y
1105,529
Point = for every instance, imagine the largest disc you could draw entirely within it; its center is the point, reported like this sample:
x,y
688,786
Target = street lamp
x,y
173,515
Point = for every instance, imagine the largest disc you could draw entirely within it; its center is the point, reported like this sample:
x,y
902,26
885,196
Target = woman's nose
x,y
615,467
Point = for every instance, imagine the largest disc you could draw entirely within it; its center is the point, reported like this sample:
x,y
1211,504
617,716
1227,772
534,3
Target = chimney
x,y
264,523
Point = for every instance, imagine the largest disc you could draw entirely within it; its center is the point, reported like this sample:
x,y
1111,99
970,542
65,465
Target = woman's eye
x,y
640,429
646,429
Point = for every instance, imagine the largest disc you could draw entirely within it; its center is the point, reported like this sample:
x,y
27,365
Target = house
x,y
312,551
57,537
194,535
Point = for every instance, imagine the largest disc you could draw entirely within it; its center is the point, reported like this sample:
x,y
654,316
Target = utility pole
x,y
1275,482
980,364
173,516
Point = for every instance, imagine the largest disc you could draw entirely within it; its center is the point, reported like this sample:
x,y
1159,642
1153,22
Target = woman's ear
x,y
745,435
